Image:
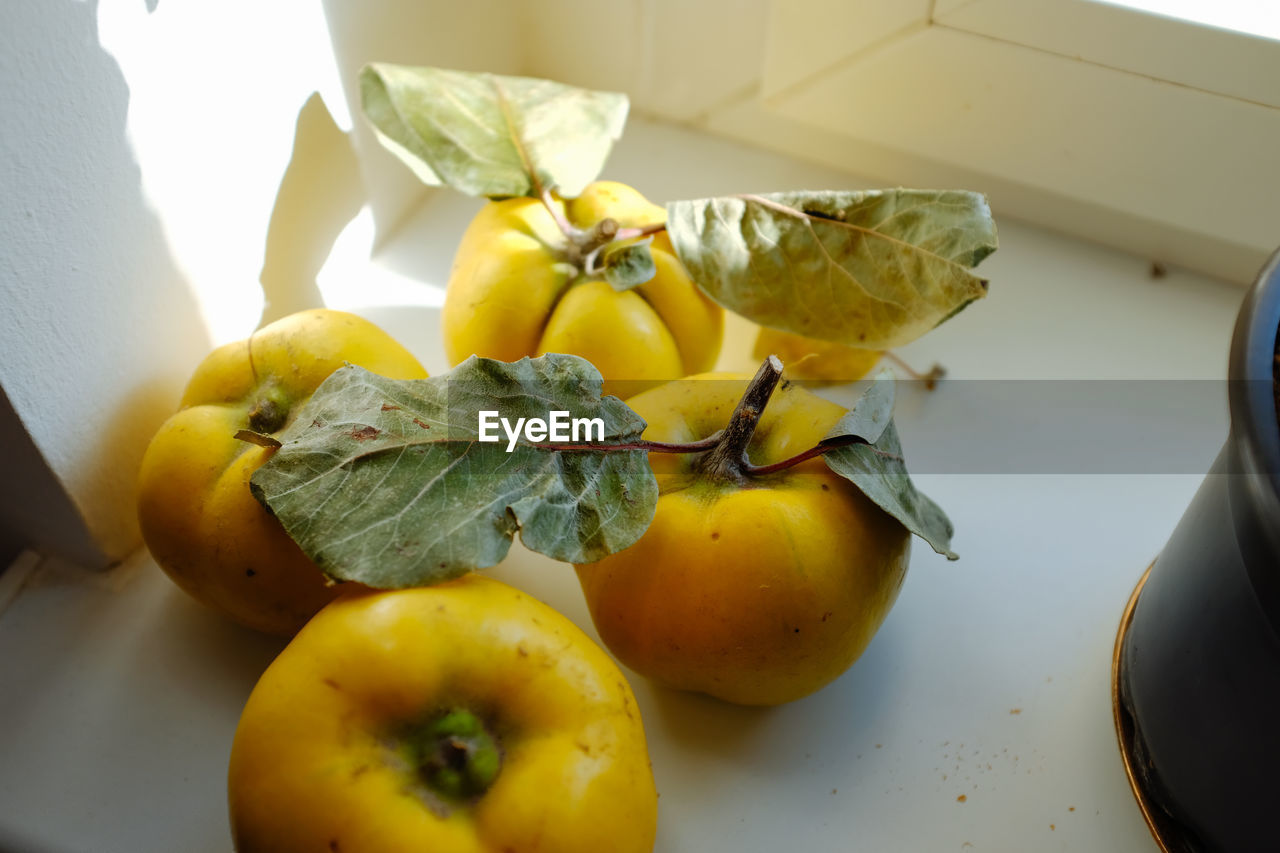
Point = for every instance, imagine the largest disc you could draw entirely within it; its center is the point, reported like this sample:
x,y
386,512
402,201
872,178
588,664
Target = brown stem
x,y
929,379
812,452
644,444
591,244
727,461
760,470
636,233
573,234
710,443
583,247
602,232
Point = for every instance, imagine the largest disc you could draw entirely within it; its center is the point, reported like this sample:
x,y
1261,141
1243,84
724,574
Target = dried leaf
x,y
868,269
489,135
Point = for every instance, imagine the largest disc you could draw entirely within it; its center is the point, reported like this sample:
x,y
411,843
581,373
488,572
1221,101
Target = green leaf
x,y
870,416
629,265
868,269
881,473
387,482
488,135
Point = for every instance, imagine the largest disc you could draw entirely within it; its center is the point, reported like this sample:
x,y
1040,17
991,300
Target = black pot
x,y
1198,658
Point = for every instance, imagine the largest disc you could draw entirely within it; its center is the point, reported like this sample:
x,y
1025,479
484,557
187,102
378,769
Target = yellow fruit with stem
x,y
198,517
759,581
528,279
464,717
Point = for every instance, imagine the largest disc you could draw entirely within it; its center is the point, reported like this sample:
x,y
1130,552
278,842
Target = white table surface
x,y
979,718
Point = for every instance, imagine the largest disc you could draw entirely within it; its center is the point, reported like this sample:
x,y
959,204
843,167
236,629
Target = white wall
x,y
99,326
143,147
476,35
1147,134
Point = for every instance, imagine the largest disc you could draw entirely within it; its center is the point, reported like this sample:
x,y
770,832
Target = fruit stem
x,y
930,379
727,461
270,411
698,446
812,453
574,236
582,247
457,756
600,234
637,233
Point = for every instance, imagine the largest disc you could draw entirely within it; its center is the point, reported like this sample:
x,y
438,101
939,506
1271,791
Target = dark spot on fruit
x,y
365,433
360,771
333,845
825,487
862,336
715,535
522,651
797,630
826,616
249,573
329,682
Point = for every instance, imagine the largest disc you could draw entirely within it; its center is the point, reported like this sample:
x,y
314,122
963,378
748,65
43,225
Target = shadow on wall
x,y
446,35
102,329
320,193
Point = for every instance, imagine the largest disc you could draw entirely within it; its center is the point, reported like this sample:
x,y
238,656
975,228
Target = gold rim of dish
x,y
1168,835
